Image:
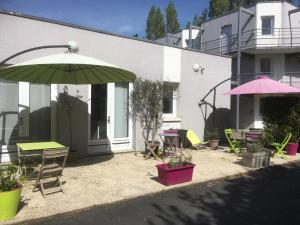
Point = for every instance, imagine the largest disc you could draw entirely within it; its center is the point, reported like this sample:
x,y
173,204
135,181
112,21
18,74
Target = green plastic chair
x,y
280,146
195,141
232,141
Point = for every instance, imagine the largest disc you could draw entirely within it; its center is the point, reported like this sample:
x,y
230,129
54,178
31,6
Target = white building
x,y
270,45
100,121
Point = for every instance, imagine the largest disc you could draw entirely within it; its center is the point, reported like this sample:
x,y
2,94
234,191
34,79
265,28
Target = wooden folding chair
x,y
232,141
53,163
280,146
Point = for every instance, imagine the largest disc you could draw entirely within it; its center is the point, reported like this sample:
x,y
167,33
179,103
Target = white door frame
x,y
110,144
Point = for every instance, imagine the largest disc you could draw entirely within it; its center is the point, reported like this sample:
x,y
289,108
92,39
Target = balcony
x,y
280,39
290,78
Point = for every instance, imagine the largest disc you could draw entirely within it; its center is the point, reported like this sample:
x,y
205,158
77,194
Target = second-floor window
x,y
169,100
265,66
267,25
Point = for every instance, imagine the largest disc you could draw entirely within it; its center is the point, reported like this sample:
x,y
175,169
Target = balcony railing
x,y
278,37
290,78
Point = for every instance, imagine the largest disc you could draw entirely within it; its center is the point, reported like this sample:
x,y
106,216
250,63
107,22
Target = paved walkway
x,y
106,179
267,196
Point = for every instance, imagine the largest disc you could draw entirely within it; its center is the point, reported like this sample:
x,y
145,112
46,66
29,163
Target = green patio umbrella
x,y
66,68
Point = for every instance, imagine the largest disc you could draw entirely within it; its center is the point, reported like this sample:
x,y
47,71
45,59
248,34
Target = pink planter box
x,y
169,176
291,149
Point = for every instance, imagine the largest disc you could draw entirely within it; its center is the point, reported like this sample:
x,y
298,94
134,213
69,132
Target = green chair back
x,y
231,140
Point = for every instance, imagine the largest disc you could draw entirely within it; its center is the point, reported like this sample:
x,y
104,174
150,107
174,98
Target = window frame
x,y
272,18
260,65
175,87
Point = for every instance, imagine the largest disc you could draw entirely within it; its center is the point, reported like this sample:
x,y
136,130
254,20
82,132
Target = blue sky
x,y
125,17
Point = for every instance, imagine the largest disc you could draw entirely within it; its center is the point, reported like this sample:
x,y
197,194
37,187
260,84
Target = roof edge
x,y
26,16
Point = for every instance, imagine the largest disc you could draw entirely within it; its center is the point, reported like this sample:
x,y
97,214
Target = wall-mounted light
x,y
197,67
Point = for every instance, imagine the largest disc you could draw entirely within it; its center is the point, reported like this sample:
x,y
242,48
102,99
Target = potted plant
x,y
213,138
255,155
292,146
294,128
146,101
10,191
179,169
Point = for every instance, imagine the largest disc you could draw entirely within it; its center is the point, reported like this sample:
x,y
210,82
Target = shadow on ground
x,y
87,161
262,197
267,196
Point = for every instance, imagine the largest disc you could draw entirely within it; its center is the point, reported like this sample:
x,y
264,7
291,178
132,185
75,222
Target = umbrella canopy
x,y
66,68
263,85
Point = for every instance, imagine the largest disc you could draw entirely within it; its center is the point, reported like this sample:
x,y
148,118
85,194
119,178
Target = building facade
x,y
101,121
270,45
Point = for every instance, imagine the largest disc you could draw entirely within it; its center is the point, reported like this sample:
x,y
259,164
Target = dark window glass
x,y
267,25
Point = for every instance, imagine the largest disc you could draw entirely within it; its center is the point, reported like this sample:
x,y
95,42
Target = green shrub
x,y
9,179
280,116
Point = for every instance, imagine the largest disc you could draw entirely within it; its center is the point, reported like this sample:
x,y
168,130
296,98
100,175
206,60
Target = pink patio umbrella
x,y
263,85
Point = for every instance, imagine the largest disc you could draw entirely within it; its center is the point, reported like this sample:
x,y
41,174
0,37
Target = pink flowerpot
x,y
291,149
169,176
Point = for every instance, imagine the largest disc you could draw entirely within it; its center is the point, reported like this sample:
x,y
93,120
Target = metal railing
x,y
277,37
290,78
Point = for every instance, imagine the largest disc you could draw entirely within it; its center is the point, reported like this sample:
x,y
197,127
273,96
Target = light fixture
x,y
73,46
197,67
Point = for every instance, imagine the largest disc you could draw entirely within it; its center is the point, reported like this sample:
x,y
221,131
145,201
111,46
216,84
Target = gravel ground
x,y
267,196
106,179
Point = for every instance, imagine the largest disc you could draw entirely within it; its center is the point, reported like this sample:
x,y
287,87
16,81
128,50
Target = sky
x,y
126,17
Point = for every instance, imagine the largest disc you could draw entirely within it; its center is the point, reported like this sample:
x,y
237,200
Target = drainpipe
x,y
190,36
238,68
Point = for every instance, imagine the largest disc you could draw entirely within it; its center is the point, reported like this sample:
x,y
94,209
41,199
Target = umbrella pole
x,y
32,49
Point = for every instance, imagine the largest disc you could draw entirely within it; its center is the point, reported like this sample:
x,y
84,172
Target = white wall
x,y
146,60
186,34
268,9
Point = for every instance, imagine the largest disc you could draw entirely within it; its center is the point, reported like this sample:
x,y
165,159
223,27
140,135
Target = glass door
x,y
121,124
34,112
99,120
226,34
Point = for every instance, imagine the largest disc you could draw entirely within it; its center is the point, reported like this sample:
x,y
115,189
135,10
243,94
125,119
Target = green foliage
x,y
218,7
146,101
9,179
212,134
198,20
172,20
256,146
182,158
280,116
155,24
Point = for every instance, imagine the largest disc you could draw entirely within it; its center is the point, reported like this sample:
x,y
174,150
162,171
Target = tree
x,y
172,20
198,20
150,29
218,7
146,101
155,24
235,4
160,27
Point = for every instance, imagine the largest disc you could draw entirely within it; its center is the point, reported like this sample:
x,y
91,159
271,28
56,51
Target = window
x,y
8,112
267,25
265,65
169,100
226,35
40,112
121,110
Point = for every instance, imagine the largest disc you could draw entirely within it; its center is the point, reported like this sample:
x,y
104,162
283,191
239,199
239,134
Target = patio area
x,y
106,179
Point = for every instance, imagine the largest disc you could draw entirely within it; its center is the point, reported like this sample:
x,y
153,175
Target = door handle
x,y
108,119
